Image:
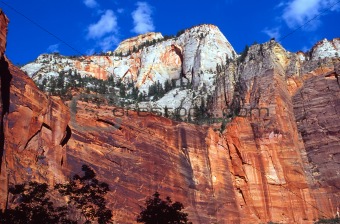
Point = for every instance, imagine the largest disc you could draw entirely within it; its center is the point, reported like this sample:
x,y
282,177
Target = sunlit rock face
x,y
326,48
34,129
258,170
35,133
280,165
281,149
135,42
192,56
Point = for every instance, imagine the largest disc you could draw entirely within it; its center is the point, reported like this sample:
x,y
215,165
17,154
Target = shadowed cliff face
x,y
281,166
4,104
32,128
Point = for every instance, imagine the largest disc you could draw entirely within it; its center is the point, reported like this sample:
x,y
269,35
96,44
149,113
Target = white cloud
x,y
90,51
142,20
273,33
108,42
305,48
53,48
105,31
120,10
281,4
106,24
297,12
91,3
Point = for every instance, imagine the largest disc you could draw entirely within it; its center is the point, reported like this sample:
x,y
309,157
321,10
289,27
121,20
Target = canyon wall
x,y
3,108
280,166
260,169
33,128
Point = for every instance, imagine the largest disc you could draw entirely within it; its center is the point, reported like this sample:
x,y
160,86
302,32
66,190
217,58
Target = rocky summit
x,y
262,143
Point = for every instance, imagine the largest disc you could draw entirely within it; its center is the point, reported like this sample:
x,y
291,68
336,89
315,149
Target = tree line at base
x,y
84,202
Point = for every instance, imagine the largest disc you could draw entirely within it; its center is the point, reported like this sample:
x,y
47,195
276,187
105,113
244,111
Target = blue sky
x,y
99,25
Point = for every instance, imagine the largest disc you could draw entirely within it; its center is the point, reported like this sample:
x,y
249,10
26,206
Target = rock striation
x,y
135,42
191,57
276,158
34,128
4,82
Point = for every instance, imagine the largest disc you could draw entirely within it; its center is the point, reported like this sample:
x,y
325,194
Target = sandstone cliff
x,y
281,166
283,143
191,57
4,83
34,128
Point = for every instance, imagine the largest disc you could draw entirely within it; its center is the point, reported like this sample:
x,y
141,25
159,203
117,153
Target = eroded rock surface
x,y
33,129
280,166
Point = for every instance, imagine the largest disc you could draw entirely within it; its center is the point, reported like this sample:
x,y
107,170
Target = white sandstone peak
x,y
134,42
326,48
191,57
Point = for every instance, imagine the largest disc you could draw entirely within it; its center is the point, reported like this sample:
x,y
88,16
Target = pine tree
x,y
166,111
162,211
53,85
60,80
153,89
102,87
34,206
86,193
134,93
173,81
111,81
122,91
244,54
160,90
140,97
167,86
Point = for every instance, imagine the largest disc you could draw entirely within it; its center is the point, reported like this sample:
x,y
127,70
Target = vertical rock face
x,y
285,142
278,160
257,171
316,107
33,127
3,32
140,155
3,94
265,156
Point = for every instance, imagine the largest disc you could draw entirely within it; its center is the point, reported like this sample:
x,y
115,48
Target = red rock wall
x,y
148,154
258,170
3,32
33,127
268,172
254,172
317,107
3,92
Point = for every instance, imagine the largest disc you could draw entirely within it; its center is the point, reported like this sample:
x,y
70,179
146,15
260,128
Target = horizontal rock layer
x,y
279,166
